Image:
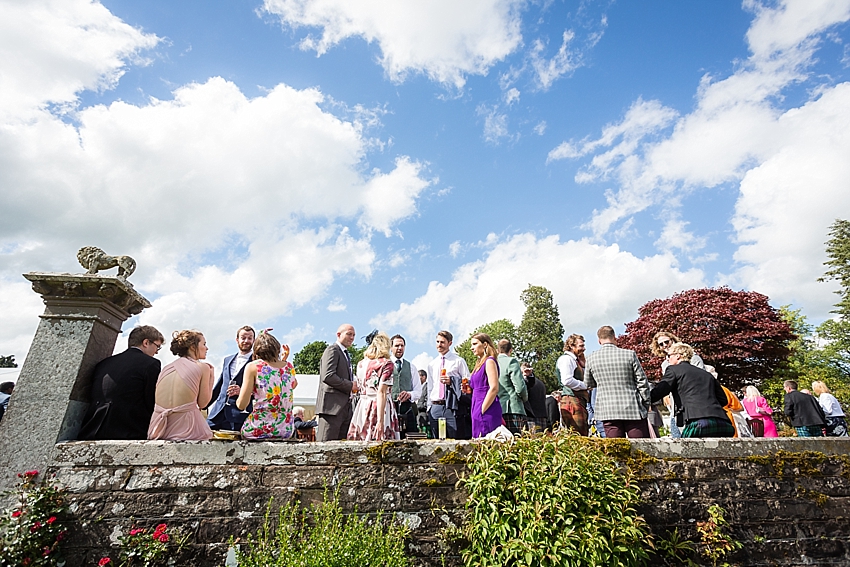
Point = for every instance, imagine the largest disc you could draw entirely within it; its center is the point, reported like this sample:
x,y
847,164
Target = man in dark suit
x,y
123,389
223,413
336,384
804,411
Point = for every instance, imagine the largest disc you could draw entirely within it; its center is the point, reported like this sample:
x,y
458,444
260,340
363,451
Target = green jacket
x,y
512,390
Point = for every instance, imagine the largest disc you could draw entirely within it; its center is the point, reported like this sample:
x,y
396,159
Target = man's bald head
x,y
345,335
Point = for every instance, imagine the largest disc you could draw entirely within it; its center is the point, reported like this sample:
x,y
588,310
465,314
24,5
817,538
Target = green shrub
x,y
551,500
324,537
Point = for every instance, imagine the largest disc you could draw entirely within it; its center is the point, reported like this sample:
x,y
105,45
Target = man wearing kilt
x,y
574,394
804,411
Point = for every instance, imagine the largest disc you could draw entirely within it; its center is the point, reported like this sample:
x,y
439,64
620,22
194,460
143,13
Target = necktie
x,y
398,365
348,359
442,386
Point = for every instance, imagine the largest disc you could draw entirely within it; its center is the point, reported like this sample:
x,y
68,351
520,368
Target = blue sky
x,y
414,166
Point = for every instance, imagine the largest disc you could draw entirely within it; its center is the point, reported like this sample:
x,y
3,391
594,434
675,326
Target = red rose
x,y
30,474
16,513
104,561
163,538
135,531
51,519
161,528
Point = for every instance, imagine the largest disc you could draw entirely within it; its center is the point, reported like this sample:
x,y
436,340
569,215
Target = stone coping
x,y
153,453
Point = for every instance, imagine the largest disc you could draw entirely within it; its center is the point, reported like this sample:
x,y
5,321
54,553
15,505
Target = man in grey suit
x,y
336,384
512,389
622,398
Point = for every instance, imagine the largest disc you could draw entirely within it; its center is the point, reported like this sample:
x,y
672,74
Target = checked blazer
x,y
622,387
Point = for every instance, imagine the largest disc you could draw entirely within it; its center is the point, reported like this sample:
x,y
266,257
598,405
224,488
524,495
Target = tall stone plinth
x,y
79,327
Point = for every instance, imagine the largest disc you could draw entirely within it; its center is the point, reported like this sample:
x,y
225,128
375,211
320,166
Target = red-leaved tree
x,y
737,332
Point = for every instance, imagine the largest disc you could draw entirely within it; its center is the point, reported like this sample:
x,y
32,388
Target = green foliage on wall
x,y
323,537
550,500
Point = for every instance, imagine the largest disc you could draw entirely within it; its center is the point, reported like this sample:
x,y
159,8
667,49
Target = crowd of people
x,y
605,393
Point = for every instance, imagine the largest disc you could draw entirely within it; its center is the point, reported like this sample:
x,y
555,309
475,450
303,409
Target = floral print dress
x,y
364,423
272,415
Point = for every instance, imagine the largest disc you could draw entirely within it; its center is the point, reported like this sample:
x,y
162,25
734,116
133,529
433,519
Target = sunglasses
x,y
664,343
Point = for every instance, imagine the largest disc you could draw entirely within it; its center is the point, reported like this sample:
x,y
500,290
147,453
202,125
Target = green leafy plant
x,y
676,550
715,544
32,530
142,547
324,536
551,500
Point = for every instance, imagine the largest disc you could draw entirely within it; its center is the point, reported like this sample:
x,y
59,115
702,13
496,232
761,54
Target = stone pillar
x,y
79,327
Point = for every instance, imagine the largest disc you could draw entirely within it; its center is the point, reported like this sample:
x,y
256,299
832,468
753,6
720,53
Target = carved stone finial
x,y
94,259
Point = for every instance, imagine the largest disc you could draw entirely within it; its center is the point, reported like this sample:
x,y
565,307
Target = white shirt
x,y
567,364
454,365
414,377
831,407
237,363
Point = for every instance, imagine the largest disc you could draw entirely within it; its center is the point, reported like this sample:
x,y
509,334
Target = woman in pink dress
x,y
757,407
374,417
182,389
270,380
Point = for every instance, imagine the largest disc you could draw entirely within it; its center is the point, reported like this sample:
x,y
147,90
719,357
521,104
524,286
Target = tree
x,y
499,329
307,359
540,335
737,332
838,250
8,361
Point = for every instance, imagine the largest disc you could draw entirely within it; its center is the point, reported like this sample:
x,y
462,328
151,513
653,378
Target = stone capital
x,y
65,294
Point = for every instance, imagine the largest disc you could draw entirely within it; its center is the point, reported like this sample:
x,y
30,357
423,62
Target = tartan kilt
x,y
809,431
515,422
574,414
709,427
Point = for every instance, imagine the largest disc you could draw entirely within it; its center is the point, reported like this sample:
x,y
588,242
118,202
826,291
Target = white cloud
x,y
455,249
676,236
337,305
540,128
20,307
443,39
788,202
547,71
610,283
421,360
297,335
39,66
791,163
495,123
511,96
235,208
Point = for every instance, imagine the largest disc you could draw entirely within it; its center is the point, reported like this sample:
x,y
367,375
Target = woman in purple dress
x,y
486,409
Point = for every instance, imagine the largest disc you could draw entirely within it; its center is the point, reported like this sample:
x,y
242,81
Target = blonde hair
x,y
489,348
818,387
684,350
657,350
379,348
751,392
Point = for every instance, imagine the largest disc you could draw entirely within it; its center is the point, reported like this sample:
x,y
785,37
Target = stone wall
x,y
788,500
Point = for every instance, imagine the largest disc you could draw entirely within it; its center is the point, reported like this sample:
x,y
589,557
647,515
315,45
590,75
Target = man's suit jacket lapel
x,y
345,362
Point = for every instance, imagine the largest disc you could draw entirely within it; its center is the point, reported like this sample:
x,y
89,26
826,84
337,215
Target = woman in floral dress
x,y
375,418
269,379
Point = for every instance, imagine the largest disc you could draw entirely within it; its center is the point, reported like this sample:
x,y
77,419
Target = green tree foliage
x,y
540,335
816,354
499,329
8,361
838,251
307,359
738,332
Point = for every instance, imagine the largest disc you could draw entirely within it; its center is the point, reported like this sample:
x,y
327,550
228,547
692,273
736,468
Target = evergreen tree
x,y
8,361
540,335
499,329
838,250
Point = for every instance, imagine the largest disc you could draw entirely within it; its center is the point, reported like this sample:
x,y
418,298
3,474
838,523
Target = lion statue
x,y
93,259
